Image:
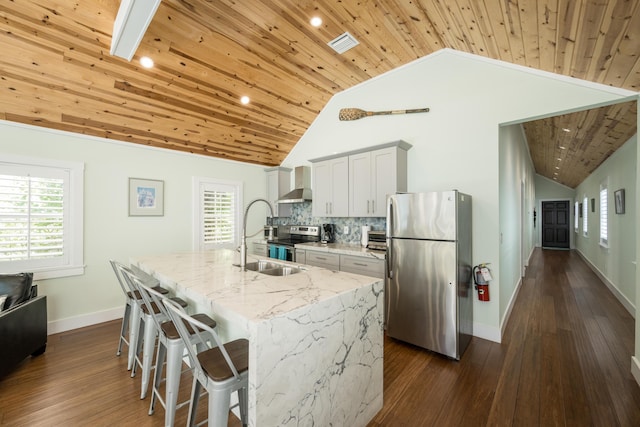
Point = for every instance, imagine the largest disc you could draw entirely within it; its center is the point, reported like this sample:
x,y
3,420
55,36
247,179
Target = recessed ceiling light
x,y
566,130
146,62
245,100
316,21
557,167
559,159
562,147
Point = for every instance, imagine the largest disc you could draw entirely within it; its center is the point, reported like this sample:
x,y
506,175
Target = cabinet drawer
x,y
361,265
324,260
259,248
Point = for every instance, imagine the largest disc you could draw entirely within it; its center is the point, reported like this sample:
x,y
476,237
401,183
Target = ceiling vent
x,y
343,43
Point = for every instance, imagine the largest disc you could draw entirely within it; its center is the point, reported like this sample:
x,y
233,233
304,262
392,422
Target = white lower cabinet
x,y
348,263
323,259
301,256
259,248
362,265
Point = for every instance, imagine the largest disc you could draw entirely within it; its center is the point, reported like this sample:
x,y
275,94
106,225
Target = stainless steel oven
x,y
283,247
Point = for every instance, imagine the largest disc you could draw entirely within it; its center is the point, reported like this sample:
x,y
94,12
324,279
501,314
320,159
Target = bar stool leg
x,y
195,397
123,328
243,403
147,355
134,333
219,402
157,377
172,385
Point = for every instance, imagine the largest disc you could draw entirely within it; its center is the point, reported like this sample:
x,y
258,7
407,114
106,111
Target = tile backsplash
x,y
301,214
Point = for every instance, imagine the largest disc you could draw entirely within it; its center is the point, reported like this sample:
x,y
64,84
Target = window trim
x,y
604,185
585,212
75,261
196,241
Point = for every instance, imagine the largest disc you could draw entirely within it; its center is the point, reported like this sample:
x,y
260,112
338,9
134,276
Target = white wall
x,y
109,232
517,200
616,264
455,145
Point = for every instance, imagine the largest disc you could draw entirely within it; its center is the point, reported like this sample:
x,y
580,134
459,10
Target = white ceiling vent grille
x,y
343,43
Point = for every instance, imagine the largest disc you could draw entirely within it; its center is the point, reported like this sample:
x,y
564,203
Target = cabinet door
x,y
322,185
301,256
339,204
360,202
384,179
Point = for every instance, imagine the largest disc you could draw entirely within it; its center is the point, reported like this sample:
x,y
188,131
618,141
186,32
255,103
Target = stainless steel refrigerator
x,y
429,297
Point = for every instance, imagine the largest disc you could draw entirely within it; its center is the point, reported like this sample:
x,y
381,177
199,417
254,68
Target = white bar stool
x,y
221,369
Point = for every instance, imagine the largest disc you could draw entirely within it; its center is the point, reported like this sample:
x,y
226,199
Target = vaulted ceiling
x,y
56,71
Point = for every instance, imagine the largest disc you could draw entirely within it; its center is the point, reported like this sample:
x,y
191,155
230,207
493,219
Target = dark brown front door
x,y
555,224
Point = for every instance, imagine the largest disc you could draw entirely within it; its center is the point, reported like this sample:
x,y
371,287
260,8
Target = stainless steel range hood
x,y
302,191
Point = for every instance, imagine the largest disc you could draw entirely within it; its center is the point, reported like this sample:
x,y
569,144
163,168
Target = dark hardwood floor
x,y
565,360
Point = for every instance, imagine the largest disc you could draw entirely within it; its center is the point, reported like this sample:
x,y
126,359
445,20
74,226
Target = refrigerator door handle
x,y
389,228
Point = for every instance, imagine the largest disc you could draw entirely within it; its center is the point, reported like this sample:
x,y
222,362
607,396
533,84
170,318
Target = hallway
x,y
565,360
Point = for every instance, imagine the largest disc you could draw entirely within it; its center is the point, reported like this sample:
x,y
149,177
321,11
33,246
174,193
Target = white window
x,y
585,210
604,233
576,216
41,217
218,215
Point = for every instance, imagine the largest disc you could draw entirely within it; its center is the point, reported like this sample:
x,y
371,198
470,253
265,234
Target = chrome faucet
x,y
243,244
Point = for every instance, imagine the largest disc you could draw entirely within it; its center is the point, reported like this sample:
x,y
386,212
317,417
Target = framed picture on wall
x,y
618,197
146,197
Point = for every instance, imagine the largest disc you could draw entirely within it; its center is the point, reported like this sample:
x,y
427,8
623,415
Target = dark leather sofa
x,y
23,321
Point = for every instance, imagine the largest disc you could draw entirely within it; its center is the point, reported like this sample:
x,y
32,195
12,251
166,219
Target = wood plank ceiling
x,y
56,70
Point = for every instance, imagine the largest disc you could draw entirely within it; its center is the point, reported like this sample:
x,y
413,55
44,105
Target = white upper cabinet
x,y
357,184
372,177
278,184
330,188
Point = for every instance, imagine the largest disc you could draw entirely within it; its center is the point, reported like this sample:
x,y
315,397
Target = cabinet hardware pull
x,y
360,264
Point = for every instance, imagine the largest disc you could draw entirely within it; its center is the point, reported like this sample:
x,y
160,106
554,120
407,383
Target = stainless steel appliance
x,y
302,191
283,247
429,298
328,233
377,240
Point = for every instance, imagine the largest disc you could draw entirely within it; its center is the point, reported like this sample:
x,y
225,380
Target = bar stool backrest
x,y
150,298
117,269
181,319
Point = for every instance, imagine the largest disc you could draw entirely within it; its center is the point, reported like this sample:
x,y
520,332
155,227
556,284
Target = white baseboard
x,y
76,322
635,369
512,301
487,332
627,304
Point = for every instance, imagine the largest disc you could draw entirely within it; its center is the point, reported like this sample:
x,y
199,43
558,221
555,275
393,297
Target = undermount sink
x,y
272,268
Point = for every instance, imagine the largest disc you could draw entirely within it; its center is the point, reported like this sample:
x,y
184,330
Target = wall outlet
x,y
345,229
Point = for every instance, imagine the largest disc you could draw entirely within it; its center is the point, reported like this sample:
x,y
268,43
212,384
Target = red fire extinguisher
x,y
481,278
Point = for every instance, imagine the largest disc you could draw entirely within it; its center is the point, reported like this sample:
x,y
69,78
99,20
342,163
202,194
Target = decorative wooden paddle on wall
x,y
356,113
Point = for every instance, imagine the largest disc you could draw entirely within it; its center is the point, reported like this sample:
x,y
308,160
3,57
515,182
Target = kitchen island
x,y
315,337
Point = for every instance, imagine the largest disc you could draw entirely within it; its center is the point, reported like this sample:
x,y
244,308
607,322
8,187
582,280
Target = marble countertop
x,y
342,248
252,295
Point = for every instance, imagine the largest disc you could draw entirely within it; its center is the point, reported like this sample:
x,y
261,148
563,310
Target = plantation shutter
x,y
585,222
33,216
604,232
218,213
